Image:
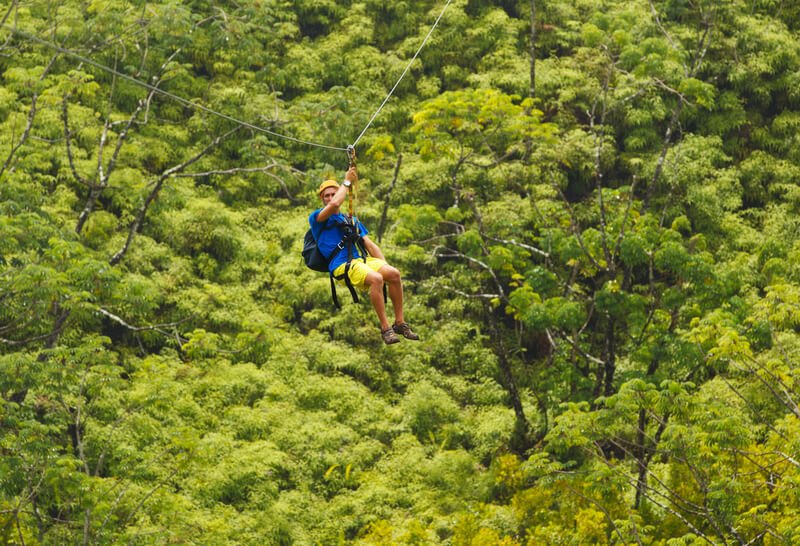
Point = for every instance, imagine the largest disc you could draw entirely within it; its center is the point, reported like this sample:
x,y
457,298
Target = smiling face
x,y
327,194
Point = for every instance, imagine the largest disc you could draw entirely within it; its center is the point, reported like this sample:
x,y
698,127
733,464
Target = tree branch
x,y
149,494
382,223
29,123
155,327
575,227
104,176
235,170
12,6
625,218
457,254
470,296
599,140
702,47
513,242
602,509
139,220
575,346
660,26
68,142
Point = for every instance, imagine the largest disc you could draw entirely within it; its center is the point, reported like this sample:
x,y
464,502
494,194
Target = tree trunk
x,y
520,442
610,359
642,453
382,224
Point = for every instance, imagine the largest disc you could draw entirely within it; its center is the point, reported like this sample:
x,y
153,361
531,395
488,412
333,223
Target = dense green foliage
x,y
602,264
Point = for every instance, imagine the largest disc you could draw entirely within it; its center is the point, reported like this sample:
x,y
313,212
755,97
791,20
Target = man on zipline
x,y
369,270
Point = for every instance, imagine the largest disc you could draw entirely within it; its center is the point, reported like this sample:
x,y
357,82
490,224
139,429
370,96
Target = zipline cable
x,y
172,96
408,66
211,111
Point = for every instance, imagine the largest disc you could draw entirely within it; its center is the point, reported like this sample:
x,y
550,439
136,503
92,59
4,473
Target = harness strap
x,y
349,283
346,276
364,254
349,241
333,293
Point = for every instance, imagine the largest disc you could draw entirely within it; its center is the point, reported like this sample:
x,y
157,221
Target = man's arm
x,y
338,198
373,249
333,205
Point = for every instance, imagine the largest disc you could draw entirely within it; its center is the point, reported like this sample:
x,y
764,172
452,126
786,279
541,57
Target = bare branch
x,y
513,242
104,176
470,198
599,141
139,220
19,528
267,169
532,50
702,47
68,142
457,254
121,138
575,346
703,43
663,85
651,493
24,341
158,80
77,423
234,170
12,6
149,494
678,515
788,401
101,148
752,408
29,123
154,327
470,296
625,217
575,227
111,510
436,238
665,146
382,223
789,458
602,509
663,30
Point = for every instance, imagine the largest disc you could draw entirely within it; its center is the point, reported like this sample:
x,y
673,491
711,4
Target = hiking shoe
x,y
405,330
389,336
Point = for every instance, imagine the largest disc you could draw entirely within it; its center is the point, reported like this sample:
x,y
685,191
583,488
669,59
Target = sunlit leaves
x,y
620,250
454,123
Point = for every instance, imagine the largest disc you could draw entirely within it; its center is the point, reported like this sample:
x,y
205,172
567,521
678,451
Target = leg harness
x,y
351,239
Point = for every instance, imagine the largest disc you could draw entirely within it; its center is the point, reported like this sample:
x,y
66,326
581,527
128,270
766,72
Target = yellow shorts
x,y
359,269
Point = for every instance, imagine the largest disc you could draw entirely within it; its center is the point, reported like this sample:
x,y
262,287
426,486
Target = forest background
x,y
594,204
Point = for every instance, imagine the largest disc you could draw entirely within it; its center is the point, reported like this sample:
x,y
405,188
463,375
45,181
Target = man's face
x,y
327,194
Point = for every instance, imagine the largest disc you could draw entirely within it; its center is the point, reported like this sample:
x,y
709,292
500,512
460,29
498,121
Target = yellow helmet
x,y
327,184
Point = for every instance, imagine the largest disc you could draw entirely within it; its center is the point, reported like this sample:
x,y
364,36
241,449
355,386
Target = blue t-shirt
x,y
327,239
